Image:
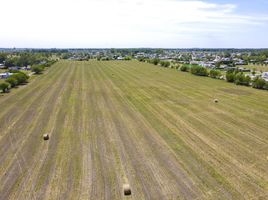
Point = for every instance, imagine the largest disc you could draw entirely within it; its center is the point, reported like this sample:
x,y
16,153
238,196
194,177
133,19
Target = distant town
x,y
252,63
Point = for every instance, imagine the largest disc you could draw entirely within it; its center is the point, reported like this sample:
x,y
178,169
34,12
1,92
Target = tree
x,y
141,59
10,62
3,57
49,63
258,83
4,87
230,76
214,73
20,77
155,61
12,81
227,54
198,70
241,79
266,86
37,69
128,58
184,68
165,63
254,72
247,80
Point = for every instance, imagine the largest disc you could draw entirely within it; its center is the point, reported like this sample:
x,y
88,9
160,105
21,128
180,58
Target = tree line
x,y
21,78
23,59
233,75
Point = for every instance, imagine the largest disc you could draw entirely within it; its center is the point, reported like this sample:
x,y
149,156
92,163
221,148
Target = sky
x,y
134,23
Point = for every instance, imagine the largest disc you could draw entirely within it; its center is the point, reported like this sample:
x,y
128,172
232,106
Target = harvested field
x,y
115,123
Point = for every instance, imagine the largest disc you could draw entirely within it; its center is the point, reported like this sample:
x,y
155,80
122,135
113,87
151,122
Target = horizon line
x,y
258,48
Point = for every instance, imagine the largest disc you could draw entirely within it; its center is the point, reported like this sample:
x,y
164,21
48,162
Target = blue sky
x,y
134,23
245,6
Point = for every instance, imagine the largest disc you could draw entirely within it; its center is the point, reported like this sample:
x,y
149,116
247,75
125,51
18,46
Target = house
x,y
196,62
15,68
265,75
209,64
222,67
242,69
2,66
5,75
42,63
240,62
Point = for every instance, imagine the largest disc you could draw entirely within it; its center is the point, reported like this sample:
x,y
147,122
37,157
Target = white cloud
x,y
119,23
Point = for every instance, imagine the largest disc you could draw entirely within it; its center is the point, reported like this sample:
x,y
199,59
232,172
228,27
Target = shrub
x,y
198,70
258,83
50,62
38,69
20,77
4,87
241,79
155,61
266,86
215,73
14,71
184,68
142,59
230,77
12,81
247,80
165,63
127,58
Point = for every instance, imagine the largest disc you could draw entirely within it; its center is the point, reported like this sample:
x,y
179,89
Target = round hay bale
x,y
46,137
216,101
127,190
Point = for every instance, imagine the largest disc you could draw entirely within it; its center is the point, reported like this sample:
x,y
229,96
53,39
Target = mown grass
x,y
147,87
155,128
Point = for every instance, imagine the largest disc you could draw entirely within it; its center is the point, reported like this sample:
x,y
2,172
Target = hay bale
x,y
216,101
127,190
46,137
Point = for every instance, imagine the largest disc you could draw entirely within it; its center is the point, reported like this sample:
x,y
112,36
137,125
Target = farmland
x,y
112,123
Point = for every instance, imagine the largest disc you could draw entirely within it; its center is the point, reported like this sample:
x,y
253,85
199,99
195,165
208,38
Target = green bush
x,y
128,58
259,83
49,63
165,63
230,76
198,70
12,81
155,61
38,69
20,77
266,86
215,73
142,59
184,68
13,71
241,79
4,87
